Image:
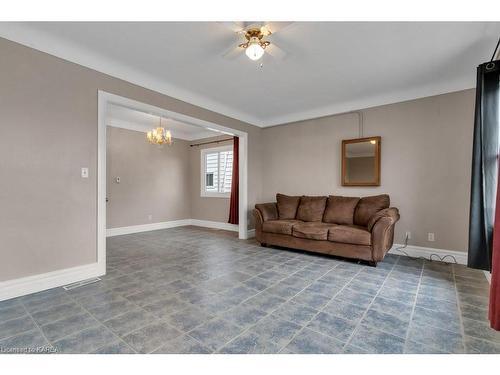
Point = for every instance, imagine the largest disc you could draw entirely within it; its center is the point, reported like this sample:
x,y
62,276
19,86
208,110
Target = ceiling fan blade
x,y
275,51
272,27
232,53
237,27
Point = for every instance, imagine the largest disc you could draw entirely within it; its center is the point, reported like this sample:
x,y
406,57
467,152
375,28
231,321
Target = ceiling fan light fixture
x,y
254,51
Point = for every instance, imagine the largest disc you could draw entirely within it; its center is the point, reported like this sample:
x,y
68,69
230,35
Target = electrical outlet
x,y
408,235
150,217
430,237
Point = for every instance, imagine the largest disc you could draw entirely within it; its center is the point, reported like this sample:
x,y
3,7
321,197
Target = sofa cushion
x,y
351,234
268,211
287,206
340,210
369,206
311,208
312,230
279,226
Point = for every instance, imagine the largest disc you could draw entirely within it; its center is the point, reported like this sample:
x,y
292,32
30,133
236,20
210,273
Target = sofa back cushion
x,y
369,206
311,208
340,210
287,206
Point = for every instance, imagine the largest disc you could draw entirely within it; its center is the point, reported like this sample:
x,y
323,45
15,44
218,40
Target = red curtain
x,y
235,185
494,313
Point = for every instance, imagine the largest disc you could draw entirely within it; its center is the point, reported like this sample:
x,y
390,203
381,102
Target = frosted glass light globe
x,y
254,51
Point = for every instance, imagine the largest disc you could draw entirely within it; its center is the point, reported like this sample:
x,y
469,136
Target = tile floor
x,y
192,290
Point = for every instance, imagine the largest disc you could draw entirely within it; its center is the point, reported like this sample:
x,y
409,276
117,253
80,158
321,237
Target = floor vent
x,y
81,283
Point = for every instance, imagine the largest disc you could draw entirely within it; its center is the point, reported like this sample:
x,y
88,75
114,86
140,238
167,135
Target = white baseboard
x,y
214,225
426,252
488,276
37,283
251,233
111,232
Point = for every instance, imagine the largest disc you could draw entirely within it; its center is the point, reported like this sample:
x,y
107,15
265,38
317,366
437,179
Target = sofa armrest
x,y
382,230
268,211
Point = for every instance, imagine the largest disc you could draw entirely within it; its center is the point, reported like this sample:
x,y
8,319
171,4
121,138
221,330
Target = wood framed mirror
x,y
361,161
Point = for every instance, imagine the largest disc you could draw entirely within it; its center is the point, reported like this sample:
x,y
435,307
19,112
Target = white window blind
x,y
217,171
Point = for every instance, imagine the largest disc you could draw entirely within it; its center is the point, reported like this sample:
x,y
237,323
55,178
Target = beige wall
x,y
206,208
426,158
48,131
154,180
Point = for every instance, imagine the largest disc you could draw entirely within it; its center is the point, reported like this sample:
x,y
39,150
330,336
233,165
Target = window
x,y
216,171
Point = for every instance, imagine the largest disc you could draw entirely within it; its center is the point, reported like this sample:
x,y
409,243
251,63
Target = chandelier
x,y
159,136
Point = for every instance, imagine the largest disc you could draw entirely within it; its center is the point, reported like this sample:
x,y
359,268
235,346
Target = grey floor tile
x,y
182,345
68,325
399,295
16,326
258,284
276,330
151,337
250,343
386,322
413,347
85,341
13,311
344,309
55,313
265,301
31,342
392,307
167,306
243,315
118,347
111,309
129,321
474,312
375,341
479,346
481,330
215,333
295,312
310,342
187,319
440,339
332,326
437,319
355,297
184,276
435,304
310,299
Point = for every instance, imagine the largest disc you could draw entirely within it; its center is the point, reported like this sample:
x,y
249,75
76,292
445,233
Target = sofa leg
x,y
372,263
263,244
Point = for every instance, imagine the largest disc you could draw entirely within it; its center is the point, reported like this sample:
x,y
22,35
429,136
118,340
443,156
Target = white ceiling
x,y
122,117
331,67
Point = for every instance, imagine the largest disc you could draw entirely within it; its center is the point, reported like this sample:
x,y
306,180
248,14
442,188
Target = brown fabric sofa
x,y
360,228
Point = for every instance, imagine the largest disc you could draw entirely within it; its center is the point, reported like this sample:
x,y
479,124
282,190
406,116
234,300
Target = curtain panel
x,y
235,185
484,166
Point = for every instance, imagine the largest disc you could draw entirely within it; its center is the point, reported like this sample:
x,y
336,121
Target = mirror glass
x,y
360,162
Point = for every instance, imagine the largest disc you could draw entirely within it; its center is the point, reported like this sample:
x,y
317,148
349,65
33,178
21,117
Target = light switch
x,y
85,173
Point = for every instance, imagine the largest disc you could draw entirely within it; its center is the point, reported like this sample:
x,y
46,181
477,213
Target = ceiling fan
x,y
256,41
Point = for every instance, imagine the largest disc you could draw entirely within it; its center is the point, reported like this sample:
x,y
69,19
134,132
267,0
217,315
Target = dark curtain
x,y
484,166
235,185
494,313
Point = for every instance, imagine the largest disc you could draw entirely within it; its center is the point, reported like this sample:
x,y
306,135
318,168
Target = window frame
x,y
203,153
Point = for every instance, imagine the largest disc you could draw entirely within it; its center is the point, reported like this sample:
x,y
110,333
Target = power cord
x,y
440,259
